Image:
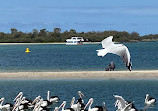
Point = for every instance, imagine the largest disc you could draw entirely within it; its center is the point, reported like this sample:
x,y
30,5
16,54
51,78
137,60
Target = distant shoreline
x,y
65,43
45,43
107,75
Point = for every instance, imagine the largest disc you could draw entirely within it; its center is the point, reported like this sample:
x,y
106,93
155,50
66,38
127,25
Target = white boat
x,y
75,41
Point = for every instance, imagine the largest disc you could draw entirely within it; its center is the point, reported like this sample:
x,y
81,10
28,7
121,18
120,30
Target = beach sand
x,y
146,74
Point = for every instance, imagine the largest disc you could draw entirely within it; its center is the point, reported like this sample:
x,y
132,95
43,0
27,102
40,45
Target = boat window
x,y
69,41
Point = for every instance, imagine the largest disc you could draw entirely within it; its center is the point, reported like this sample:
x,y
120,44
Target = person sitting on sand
x,y
111,66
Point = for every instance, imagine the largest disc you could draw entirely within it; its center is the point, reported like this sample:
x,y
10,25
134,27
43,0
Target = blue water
x,y
60,57
100,90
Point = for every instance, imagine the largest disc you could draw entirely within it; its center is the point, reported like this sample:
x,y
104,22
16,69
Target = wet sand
x,y
143,74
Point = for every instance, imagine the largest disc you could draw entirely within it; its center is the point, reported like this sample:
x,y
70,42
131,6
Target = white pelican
x,y
149,100
63,106
38,106
81,95
18,96
6,106
118,49
36,100
96,108
80,100
17,105
45,103
52,98
76,107
124,105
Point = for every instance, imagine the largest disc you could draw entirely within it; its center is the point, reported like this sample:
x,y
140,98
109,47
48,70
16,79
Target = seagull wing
x,y
121,101
107,42
122,51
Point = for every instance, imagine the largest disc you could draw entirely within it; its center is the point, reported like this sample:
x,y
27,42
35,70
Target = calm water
x,y
100,90
60,57
49,57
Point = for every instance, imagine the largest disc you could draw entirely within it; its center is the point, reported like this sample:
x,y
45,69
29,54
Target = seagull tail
x,y
102,52
129,66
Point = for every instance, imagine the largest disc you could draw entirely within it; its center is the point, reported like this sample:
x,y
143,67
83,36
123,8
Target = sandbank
x,y
146,74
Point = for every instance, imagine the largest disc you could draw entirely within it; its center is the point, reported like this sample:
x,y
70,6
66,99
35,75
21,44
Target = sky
x,y
82,15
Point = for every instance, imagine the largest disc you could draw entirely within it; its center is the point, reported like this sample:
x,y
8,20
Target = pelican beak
x,y
56,109
64,102
18,96
2,99
36,107
87,103
36,99
80,94
72,102
15,106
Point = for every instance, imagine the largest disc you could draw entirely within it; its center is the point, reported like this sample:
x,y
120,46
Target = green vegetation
x,y
44,36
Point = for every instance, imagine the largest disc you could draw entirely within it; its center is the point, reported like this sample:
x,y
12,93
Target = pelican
x,y
96,108
149,100
17,105
6,106
18,96
38,106
36,100
76,107
80,100
52,98
63,106
118,49
124,105
47,102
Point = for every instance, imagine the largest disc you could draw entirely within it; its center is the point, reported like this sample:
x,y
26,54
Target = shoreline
x,y
44,43
107,75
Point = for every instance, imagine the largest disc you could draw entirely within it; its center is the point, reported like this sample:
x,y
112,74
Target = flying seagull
x,y
118,49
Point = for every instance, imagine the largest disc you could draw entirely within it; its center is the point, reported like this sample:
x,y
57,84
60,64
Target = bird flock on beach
x,y
21,103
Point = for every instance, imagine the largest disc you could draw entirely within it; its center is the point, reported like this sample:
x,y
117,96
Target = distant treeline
x,y
44,36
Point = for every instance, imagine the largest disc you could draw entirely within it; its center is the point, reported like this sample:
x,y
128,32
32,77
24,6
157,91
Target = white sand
x,y
146,74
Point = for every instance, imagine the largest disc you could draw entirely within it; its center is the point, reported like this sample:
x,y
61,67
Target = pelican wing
x,y
128,107
122,102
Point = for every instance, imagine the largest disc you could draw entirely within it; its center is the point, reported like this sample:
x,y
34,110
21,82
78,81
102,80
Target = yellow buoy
x,y
27,50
